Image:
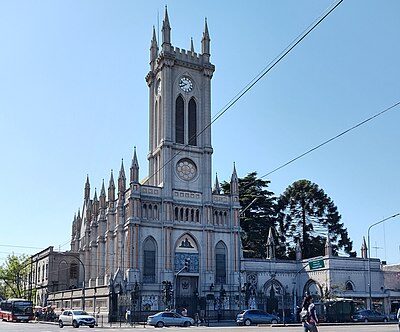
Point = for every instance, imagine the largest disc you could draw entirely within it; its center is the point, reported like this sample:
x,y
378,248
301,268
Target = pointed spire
x,y
328,246
87,188
153,47
217,188
298,250
191,45
166,32
205,41
134,168
122,179
364,249
95,204
111,188
234,182
270,245
270,239
103,197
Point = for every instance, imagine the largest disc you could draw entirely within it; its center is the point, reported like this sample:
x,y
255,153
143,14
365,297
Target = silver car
x,y
76,318
167,318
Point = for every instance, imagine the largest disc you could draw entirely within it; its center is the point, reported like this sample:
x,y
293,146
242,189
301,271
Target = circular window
x,y
186,169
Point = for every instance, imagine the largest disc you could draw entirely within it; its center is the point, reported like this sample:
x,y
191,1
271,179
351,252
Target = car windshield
x,y
79,312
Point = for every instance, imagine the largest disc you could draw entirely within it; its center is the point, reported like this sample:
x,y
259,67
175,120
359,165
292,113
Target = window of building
x,y
179,121
220,262
192,122
349,286
73,271
149,261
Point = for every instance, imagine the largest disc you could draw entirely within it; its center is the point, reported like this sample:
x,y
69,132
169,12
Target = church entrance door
x,y
187,296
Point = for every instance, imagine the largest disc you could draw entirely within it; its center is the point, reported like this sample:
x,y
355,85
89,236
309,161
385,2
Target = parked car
x,y
366,315
76,318
253,316
167,318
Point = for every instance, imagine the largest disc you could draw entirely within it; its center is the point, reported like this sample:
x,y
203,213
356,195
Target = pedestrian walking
x,y
308,315
398,317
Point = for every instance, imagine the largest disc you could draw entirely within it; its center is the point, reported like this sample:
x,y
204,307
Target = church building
x,y
171,236
171,239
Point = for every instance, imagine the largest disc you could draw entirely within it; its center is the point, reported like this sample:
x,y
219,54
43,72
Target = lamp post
x,y
135,297
369,258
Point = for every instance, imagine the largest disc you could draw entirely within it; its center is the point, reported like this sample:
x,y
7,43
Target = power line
x,y
255,80
331,139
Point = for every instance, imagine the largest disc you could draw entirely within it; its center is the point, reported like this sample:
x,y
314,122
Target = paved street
x,y
23,327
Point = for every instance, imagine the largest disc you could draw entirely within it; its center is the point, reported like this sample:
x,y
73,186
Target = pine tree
x,y
258,206
307,214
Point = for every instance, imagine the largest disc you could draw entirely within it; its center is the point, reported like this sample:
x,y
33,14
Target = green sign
x,y
318,264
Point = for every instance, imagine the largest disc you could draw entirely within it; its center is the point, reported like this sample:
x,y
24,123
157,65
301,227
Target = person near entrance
x,y
398,317
308,315
184,312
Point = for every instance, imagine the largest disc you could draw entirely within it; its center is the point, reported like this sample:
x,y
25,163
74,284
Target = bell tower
x,y
179,84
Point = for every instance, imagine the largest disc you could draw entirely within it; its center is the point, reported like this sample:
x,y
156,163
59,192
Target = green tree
x,y
14,276
307,214
259,213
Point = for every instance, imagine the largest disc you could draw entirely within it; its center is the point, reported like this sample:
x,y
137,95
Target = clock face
x,y
186,84
186,169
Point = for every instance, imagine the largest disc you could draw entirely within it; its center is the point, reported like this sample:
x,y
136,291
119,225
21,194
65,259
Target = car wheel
x,y
274,321
160,324
60,324
75,324
91,326
186,324
247,322
366,320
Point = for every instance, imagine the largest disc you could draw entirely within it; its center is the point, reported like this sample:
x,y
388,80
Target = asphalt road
x,y
39,327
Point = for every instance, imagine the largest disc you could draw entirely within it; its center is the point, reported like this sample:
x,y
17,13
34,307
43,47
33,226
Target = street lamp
x,y
369,257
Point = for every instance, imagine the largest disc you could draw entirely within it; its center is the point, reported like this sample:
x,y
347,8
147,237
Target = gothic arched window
x,y
149,261
155,130
192,122
220,263
179,121
349,286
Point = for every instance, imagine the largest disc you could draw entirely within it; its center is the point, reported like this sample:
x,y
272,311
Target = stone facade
x,y
52,271
172,240
143,232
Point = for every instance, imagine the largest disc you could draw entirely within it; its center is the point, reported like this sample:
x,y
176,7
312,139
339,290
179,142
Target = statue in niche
x,y
186,244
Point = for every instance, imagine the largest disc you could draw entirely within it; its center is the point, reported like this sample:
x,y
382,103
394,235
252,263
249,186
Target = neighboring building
x,y
52,271
135,239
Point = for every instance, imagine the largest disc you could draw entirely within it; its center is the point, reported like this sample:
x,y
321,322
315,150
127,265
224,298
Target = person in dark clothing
x,y
308,315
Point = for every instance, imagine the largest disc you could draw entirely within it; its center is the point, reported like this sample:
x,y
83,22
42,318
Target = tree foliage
x,y
258,206
308,215
14,277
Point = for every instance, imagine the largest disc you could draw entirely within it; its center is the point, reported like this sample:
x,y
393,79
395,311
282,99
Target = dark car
x,y
366,315
254,316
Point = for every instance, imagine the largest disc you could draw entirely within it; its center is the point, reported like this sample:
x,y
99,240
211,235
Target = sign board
x,y
318,264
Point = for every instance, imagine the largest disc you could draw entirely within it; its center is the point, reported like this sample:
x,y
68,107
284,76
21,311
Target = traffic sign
x,y
318,264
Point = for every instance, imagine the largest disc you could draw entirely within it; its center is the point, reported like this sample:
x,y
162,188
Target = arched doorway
x,y
186,274
274,296
314,289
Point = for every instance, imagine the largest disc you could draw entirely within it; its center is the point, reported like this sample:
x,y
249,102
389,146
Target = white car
x,y
76,318
167,318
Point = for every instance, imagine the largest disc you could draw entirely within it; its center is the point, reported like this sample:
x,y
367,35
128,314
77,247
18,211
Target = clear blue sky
x,y
73,101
